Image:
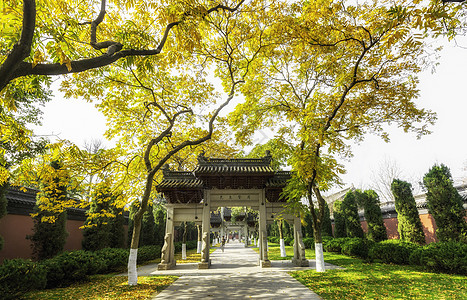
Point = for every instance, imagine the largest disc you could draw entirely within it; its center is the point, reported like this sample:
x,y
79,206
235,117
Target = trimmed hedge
x,y
334,245
20,275
355,247
392,251
147,253
309,243
274,239
288,241
446,257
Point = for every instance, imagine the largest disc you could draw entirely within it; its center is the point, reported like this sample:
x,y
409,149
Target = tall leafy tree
x,y
159,220
37,42
409,224
369,200
327,224
307,225
338,71
353,227
40,39
339,220
103,227
49,231
445,204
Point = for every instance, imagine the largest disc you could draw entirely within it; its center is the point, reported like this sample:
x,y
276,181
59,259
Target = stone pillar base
x,y
301,262
265,263
169,266
204,265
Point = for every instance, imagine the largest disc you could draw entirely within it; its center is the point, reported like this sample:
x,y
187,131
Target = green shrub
x,y
49,237
178,247
273,239
116,259
409,224
147,253
65,269
392,251
334,245
309,243
101,229
416,256
445,204
447,257
191,245
353,227
355,247
369,200
18,276
288,241
339,220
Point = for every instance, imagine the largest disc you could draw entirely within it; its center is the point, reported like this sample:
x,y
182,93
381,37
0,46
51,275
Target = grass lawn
x,y
362,280
107,287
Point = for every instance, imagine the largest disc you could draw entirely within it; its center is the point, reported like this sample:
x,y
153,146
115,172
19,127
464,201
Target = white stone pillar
x,y
265,262
168,250
205,261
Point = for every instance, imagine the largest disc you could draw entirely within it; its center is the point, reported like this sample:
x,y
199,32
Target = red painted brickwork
x,y
13,229
429,228
391,228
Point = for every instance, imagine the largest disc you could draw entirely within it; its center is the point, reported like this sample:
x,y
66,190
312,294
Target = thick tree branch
x,y
15,66
22,49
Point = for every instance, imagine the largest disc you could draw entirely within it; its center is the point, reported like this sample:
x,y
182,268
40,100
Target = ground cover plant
x,y
108,287
362,280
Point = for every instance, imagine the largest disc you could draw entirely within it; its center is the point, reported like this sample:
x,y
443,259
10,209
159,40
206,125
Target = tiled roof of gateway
x,y
237,165
279,180
175,180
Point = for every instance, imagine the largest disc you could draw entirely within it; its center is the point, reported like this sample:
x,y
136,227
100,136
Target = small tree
x,y
445,204
327,224
369,200
104,222
339,221
409,227
307,226
49,232
353,227
159,213
3,203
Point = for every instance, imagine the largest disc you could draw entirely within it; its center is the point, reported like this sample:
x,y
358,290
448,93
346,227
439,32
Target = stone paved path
x,y
234,274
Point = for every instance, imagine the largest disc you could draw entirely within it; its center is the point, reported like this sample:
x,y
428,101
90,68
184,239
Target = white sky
x,y
443,92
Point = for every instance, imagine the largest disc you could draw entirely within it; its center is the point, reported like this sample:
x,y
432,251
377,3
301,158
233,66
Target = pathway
x,y
235,274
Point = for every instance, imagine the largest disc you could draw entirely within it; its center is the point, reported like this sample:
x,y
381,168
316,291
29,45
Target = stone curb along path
x,y
234,274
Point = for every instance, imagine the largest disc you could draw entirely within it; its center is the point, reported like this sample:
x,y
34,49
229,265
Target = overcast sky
x,y
443,92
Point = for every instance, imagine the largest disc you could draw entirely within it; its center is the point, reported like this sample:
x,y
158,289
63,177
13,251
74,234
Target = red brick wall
x,y
391,228
429,228
75,235
13,229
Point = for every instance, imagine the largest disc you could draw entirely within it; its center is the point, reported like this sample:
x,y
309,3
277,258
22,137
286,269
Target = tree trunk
x,y
317,224
132,272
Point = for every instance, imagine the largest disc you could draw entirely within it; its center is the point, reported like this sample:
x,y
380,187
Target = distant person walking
x,y
223,244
